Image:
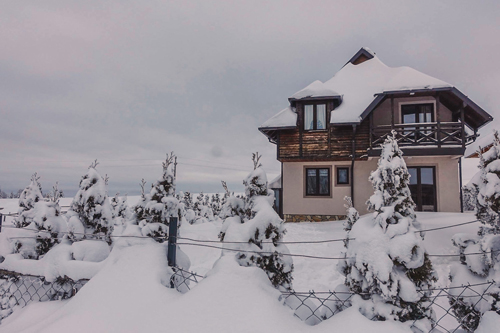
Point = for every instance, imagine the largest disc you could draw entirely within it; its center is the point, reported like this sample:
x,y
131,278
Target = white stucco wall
x,y
295,202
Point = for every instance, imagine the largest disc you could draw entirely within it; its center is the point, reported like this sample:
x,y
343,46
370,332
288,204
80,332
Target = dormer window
x,y
314,116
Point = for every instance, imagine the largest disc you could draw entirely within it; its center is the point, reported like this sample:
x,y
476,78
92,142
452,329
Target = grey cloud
x,y
127,81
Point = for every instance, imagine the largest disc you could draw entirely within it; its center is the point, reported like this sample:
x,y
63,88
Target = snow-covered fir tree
x,y
27,200
90,213
156,207
49,222
215,204
260,230
198,202
46,225
119,207
187,199
232,210
479,269
386,263
351,217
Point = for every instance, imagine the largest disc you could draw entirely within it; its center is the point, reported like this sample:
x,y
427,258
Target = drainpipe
x,y
281,210
460,180
353,156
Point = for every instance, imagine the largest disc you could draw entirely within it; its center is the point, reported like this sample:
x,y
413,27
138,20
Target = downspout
x,y
353,158
460,180
281,194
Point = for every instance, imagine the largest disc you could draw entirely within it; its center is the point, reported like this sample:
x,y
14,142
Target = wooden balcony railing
x,y
422,134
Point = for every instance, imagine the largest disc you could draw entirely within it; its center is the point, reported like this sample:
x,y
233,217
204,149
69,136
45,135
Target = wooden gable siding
x,y
334,144
288,144
341,140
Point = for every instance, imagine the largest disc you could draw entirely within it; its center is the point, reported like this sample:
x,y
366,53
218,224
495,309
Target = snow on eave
x,y
483,143
315,89
275,183
285,118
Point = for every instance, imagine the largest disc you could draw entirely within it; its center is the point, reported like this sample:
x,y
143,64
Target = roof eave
x,y
315,98
270,132
466,100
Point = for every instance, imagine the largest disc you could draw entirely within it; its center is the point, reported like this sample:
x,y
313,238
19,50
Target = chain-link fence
x,y
20,290
183,280
314,307
311,307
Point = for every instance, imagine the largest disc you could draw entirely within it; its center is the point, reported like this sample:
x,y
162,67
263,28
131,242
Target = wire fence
x,y
21,289
313,307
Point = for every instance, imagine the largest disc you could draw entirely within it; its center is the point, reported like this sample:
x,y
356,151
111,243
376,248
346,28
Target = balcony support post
x,y
371,130
392,112
462,123
438,120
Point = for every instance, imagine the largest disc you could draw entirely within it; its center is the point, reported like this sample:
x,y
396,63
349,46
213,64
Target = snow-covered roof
x,y
358,85
285,118
362,84
484,142
315,89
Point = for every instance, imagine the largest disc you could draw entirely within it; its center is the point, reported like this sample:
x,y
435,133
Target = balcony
x,y
450,136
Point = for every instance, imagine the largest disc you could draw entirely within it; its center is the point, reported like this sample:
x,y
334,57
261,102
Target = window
x,y
315,116
417,113
318,181
342,175
423,188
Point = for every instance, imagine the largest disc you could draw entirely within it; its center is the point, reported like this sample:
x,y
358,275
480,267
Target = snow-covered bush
x,y
187,200
352,217
260,231
232,210
215,204
50,224
156,207
119,207
90,213
480,255
27,200
44,226
386,263
469,196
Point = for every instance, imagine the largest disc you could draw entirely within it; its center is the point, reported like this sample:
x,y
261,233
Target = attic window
x,y
361,56
360,59
314,116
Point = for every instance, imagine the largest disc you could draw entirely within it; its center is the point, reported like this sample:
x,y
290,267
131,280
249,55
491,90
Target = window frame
x,y
315,116
418,204
416,104
342,167
317,194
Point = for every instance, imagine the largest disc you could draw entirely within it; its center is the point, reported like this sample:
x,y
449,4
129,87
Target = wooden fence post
x,y
172,240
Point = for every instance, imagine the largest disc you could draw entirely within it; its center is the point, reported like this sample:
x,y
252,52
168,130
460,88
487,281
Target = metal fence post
x,y
172,240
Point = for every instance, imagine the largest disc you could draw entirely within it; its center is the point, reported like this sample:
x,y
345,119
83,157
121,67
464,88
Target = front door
x,y
423,188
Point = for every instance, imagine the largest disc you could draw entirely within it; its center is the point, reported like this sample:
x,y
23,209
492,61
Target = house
x,y
328,138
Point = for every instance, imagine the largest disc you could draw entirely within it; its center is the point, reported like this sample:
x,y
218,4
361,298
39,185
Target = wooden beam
x,y
462,121
300,115
371,130
438,120
392,112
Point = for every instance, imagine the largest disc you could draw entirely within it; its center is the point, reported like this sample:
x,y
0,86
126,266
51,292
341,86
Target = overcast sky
x,y
125,82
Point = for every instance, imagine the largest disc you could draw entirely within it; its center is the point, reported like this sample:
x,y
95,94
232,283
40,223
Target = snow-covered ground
x,y
127,296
